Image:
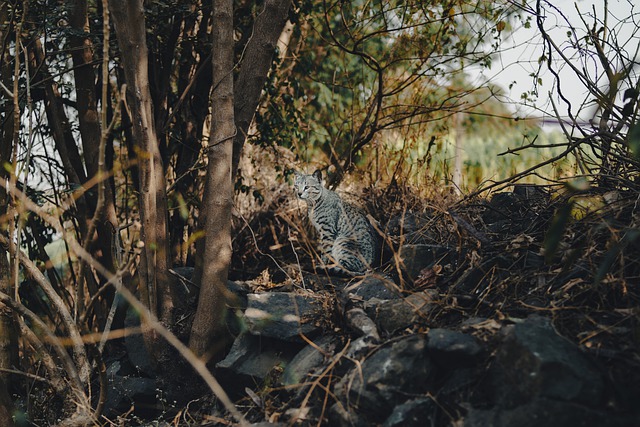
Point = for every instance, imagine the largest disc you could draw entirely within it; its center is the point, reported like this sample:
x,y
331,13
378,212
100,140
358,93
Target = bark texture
x,y
208,323
155,290
8,332
255,68
89,124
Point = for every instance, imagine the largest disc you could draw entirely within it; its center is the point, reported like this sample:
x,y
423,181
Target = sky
x,y
512,68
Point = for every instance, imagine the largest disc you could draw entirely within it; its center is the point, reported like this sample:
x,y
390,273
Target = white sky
x,y
520,58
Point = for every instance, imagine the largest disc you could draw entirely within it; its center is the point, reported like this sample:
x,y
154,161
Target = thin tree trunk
x,y
89,123
218,194
155,290
255,68
60,129
8,332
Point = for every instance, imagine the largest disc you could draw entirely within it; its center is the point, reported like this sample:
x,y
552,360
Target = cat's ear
x,y
318,175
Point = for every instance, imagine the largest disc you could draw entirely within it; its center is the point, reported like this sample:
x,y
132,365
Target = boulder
x,y
308,360
358,321
453,349
418,412
394,315
385,378
534,361
125,391
252,359
547,413
339,416
372,286
284,315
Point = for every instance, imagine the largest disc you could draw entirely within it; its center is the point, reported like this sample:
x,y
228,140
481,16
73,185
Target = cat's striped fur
x,y
348,242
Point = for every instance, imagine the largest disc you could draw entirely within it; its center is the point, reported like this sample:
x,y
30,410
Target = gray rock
x,y
417,257
361,347
534,361
252,358
339,416
420,412
284,315
453,349
125,390
395,315
391,373
373,286
547,413
308,360
358,321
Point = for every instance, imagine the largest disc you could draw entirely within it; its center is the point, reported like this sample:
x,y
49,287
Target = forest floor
x,y
570,256
470,295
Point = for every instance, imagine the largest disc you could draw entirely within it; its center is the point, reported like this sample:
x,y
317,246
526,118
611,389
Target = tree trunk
x,y
6,406
60,128
155,290
193,110
218,194
8,332
255,68
89,122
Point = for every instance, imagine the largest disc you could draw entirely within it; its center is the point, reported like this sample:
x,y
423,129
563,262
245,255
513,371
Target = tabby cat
x,y
348,242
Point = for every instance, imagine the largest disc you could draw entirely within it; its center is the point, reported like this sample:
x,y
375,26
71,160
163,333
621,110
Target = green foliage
x,y
363,67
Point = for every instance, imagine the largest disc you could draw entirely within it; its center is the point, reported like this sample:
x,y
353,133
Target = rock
x,y
308,360
547,413
534,361
339,416
284,315
418,412
417,257
251,359
383,380
361,347
395,315
452,349
372,286
125,391
358,321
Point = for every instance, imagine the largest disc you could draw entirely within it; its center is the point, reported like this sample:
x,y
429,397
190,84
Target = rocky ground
x,y
517,311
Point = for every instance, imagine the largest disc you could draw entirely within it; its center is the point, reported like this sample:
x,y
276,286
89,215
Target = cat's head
x,y
308,187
